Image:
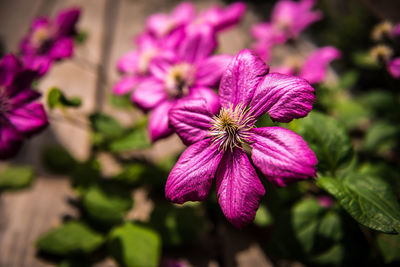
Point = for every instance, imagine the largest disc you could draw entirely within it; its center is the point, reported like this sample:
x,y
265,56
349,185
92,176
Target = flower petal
x,y
314,69
66,21
29,119
199,43
9,66
241,78
23,97
10,139
282,155
209,71
209,95
239,189
62,48
125,85
128,63
159,122
394,67
191,178
191,120
223,18
283,97
149,93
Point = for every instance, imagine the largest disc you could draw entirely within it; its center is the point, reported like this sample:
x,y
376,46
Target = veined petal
x,y
125,85
282,155
149,93
283,97
191,178
239,189
29,119
210,70
191,120
10,139
314,69
62,48
159,122
209,95
199,43
241,79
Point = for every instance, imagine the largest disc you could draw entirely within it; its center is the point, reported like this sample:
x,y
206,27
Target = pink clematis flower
x,y
314,67
394,67
288,20
191,74
217,142
49,40
20,115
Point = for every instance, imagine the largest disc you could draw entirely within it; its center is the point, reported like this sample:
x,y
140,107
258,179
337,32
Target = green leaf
x,y
106,125
123,102
348,80
136,139
369,200
381,137
70,238
16,177
81,37
350,114
365,60
135,246
263,216
327,139
133,173
389,245
58,160
107,205
56,98
85,174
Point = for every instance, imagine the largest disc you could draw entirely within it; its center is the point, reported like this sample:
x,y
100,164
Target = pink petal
x,y
396,30
283,97
22,97
62,48
29,119
239,189
191,120
159,67
9,67
10,139
209,71
314,69
125,85
221,18
128,62
159,122
191,178
282,155
241,78
183,13
282,70
209,95
149,93
394,67
199,43
66,21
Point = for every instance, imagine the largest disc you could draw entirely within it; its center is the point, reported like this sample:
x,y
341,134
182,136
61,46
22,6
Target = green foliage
x,y
81,37
369,200
16,177
123,102
58,160
136,139
389,246
107,205
85,174
133,245
263,216
381,137
56,98
327,139
70,238
106,126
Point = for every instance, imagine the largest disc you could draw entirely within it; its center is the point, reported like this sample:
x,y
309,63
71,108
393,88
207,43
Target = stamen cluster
x,y
178,79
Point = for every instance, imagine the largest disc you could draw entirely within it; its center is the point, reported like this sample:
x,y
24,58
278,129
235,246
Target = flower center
x,y
381,31
231,127
381,53
3,100
178,80
145,58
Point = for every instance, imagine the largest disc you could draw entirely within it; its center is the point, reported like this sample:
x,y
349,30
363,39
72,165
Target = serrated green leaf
x,y
327,139
369,200
389,245
135,246
70,238
136,139
106,206
58,160
16,177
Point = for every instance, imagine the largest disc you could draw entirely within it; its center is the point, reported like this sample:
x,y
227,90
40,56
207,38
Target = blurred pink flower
x,y
325,201
49,40
20,115
288,20
313,69
190,74
216,142
394,67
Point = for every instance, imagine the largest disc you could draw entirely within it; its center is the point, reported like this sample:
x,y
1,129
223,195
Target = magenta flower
x,y
217,142
191,74
288,20
396,30
314,67
49,40
394,67
20,115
